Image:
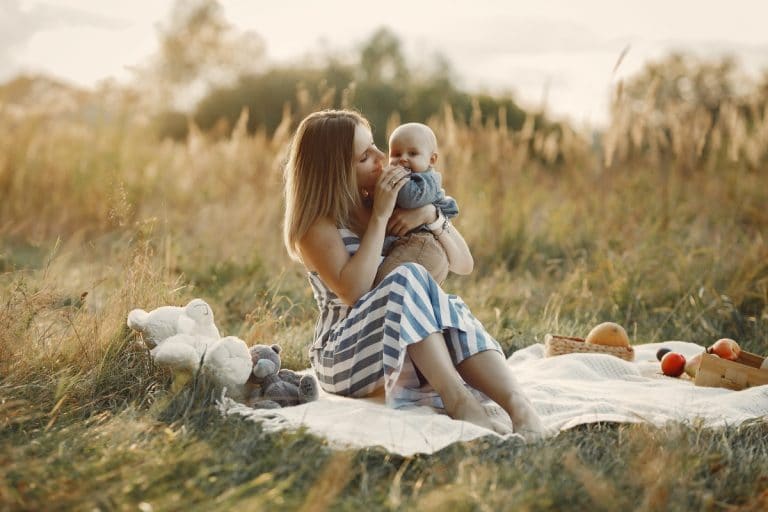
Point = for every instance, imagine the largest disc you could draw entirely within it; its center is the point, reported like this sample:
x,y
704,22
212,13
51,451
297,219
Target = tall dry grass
x,y
660,227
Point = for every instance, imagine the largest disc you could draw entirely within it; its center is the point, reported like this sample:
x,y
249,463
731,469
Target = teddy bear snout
x,y
263,368
199,311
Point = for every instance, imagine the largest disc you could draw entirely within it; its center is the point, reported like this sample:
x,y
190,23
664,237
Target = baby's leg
x,y
431,255
418,247
393,260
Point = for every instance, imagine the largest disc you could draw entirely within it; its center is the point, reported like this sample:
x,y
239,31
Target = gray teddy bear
x,y
272,387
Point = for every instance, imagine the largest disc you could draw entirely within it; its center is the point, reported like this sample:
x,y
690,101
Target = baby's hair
x,y
423,128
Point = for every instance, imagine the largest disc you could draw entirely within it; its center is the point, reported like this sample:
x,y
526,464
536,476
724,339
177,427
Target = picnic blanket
x,y
566,390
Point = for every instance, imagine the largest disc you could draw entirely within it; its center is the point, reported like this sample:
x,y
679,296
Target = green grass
x,y
89,422
201,461
100,220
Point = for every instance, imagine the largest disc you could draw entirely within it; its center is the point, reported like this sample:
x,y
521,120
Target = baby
x,y
414,146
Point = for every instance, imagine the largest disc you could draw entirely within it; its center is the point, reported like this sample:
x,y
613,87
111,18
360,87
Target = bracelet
x,y
446,226
437,223
437,213
442,223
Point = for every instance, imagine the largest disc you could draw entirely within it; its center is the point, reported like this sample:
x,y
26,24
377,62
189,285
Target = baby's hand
x,y
396,163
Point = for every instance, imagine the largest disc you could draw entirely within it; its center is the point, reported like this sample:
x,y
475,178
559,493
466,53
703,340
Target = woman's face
x,y
368,159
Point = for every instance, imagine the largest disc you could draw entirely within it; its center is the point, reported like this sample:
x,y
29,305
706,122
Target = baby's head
x,y
413,145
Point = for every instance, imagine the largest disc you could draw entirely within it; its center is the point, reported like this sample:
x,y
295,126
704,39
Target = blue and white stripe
x,y
360,348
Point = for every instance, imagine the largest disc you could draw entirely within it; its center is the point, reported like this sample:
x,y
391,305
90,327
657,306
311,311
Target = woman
x,y
339,206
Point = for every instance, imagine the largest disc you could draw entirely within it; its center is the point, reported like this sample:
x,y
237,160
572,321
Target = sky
x,y
554,54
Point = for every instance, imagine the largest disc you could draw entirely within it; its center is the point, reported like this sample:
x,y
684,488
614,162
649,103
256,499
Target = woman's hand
x,y
404,220
390,181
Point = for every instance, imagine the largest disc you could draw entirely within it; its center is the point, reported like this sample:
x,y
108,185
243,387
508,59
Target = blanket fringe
x,y
270,421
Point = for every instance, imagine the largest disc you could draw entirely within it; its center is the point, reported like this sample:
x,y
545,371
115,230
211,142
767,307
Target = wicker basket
x,y
556,345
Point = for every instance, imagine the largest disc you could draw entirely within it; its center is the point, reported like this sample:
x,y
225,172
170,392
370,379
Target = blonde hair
x,y
420,128
320,178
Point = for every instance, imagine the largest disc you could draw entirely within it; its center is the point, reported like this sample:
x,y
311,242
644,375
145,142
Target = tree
x,y
199,50
377,83
381,59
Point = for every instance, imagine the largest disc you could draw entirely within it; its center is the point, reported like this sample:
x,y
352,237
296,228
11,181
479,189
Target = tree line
x,y
378,83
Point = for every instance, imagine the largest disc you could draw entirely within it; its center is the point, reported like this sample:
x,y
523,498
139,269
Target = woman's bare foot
x,y
501,428
525,419
467,408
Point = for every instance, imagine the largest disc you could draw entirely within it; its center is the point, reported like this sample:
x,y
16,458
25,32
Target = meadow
x,y
658,224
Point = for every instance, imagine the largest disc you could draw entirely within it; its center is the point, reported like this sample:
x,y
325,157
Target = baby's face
x,y
411,148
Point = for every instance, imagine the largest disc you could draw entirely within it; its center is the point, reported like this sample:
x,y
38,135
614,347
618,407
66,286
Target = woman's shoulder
x,y
326,227
324,238
321,232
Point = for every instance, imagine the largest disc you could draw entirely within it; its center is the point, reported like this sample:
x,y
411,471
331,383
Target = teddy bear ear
x,y
276,348
137,319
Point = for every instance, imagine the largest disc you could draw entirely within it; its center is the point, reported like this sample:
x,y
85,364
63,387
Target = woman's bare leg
x,y
431,357
488,372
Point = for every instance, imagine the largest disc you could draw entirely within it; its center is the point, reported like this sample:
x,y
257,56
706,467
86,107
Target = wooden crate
x,y
556,345
743,373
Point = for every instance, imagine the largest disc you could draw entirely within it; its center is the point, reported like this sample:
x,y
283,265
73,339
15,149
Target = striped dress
x,y
361,348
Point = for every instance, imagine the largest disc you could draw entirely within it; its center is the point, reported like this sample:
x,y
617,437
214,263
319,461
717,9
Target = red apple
x,y
673,364
726,348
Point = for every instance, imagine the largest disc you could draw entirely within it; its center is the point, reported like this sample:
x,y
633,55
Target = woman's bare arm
x,y
460,260
349,277
322,248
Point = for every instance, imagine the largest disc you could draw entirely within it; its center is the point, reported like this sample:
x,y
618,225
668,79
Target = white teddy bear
x,y
228,362
186,339
195,318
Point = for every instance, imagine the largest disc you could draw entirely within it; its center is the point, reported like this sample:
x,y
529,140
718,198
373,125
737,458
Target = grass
x,y
98,217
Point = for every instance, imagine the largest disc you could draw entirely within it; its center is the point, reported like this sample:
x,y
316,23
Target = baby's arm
x,y
422,188
448,206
